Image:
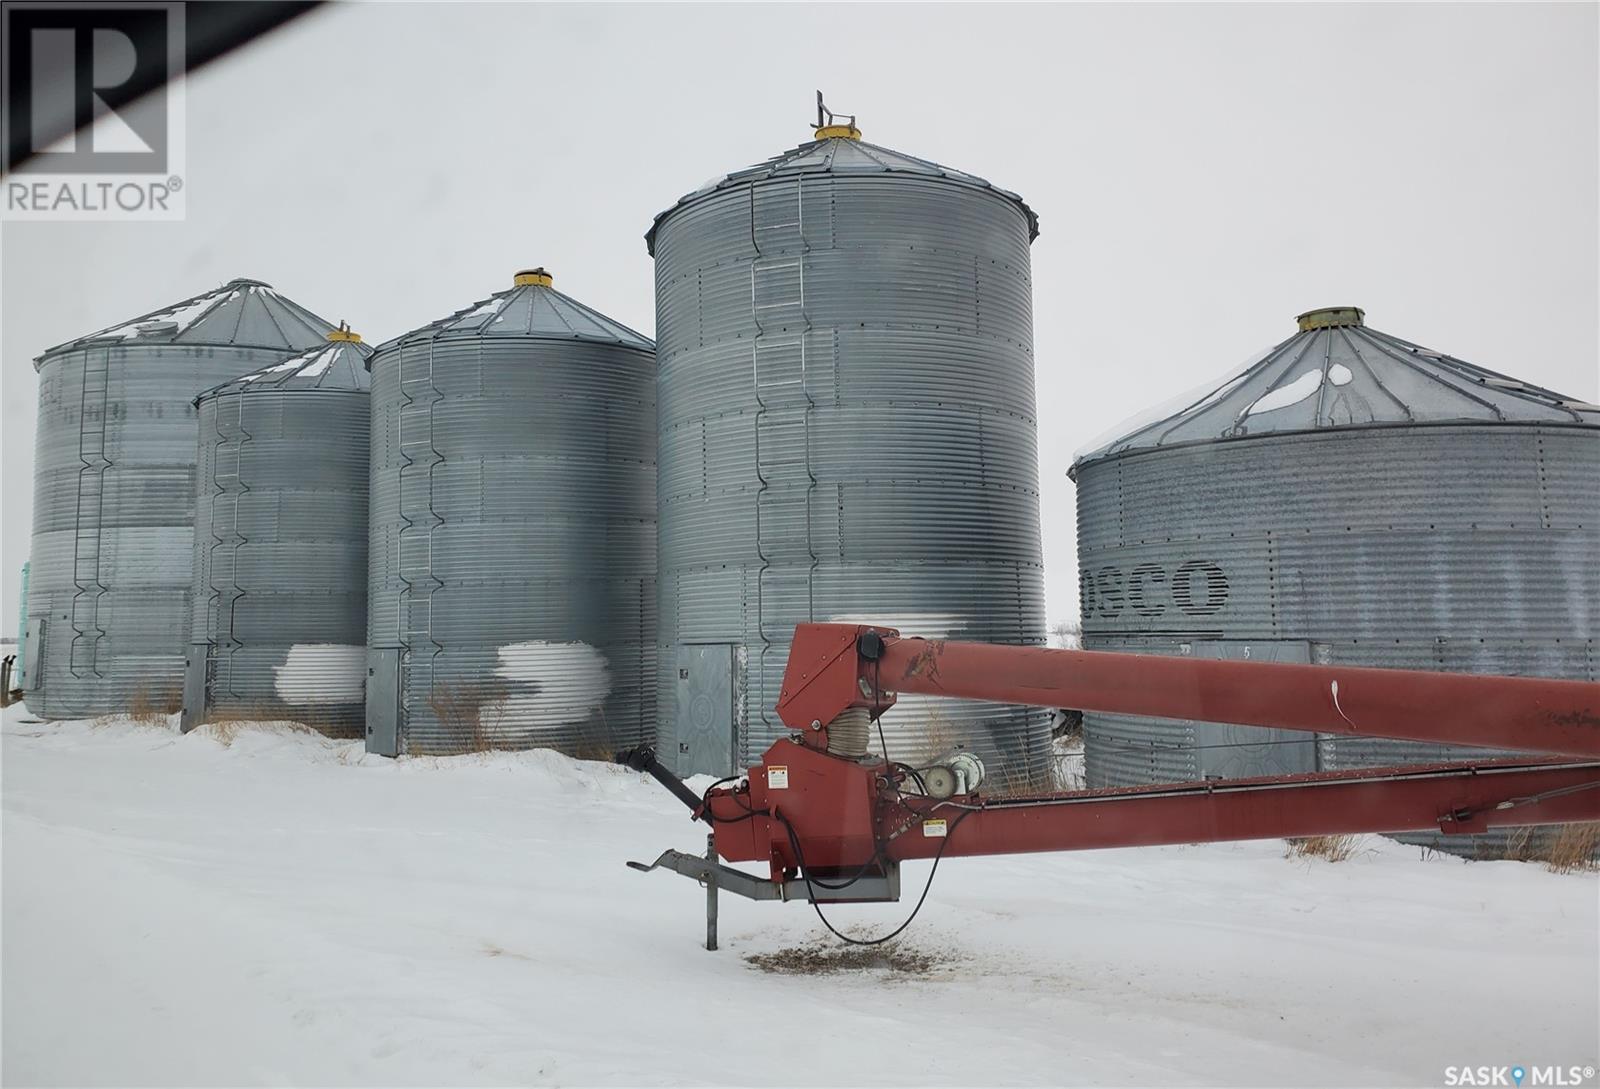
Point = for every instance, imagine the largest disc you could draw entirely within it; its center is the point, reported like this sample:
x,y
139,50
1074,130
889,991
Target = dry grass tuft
x,y
143,721
595,741
1573,848
1563,848
248,712
150,706
471,713
1521,845
226,730
1018,780
1330,848
594,750
238,713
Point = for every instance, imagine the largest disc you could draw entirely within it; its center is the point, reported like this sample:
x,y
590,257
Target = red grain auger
x,y
833,820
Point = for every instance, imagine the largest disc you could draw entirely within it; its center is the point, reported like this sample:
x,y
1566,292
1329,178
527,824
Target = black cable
x,y
867,867
814,883
705,795
794,842
877,689
915,775
712,818
748,814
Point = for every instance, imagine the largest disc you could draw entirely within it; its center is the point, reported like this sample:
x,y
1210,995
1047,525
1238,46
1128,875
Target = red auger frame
x,y
832,822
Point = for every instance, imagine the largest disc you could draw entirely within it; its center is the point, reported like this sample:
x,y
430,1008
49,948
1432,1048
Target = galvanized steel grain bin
x,y
512,545
279,597
1354,498
847,432
113,512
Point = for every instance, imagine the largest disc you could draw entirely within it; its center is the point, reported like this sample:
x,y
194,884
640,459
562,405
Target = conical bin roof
x,y
531,308
840,155
1337,372
240,313
339,363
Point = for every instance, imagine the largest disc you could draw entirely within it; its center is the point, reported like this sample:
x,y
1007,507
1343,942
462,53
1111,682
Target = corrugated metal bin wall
x,y
1456,547
279,599
847,433
512,559
113,516
1461,560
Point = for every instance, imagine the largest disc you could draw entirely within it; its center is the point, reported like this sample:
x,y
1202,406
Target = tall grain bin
x,y
512,558
847,432
113,511
279,596
1349,498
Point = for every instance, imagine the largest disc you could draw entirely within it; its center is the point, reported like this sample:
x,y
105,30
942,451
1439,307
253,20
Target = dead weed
x,y
1330,848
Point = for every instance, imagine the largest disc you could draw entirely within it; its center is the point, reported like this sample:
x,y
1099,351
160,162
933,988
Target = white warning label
x,y
935,829
778,777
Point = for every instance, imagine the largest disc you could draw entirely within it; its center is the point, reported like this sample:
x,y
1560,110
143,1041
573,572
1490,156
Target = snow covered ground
x,y
283,909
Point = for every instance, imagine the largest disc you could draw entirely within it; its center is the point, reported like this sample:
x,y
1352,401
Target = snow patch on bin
x,y
1298,390
317,673
925,625
555,684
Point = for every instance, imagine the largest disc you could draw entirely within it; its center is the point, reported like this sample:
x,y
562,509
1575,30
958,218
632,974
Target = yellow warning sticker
x,y
936,829
778,777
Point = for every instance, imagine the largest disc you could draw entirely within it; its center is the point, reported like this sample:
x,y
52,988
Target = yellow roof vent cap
x,y
833,126
345,333
1331,317
533,277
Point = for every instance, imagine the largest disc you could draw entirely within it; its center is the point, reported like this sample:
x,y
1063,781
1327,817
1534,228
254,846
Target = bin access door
x,y
703,710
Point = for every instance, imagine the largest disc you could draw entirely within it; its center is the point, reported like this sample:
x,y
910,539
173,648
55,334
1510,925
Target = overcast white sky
x,y
1203,173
